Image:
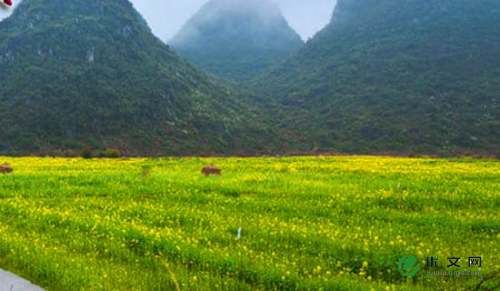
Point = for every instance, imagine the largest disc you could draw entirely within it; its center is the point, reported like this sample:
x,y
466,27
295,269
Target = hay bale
x,y
211,170
6,169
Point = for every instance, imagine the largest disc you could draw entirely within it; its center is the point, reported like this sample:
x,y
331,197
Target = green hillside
x,y
236,39
78,74
396,76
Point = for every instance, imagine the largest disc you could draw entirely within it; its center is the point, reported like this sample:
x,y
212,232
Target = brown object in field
x,y
6,169
211,170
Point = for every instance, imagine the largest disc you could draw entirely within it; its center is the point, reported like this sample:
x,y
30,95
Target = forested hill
x,y
236,39
396,76
82,74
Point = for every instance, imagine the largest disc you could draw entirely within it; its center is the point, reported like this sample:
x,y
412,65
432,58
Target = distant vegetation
x,y
396,76
79,74
383,77
332,223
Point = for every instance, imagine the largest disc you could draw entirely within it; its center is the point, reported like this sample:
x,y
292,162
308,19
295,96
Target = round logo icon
x,y
408,266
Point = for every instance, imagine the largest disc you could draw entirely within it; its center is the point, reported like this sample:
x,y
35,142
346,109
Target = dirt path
x,y
11,282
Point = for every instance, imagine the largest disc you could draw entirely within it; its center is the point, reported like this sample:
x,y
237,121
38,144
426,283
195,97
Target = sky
x,y
166,17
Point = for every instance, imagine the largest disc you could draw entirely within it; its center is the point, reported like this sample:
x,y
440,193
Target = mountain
x,y
396,76
82,74
236,39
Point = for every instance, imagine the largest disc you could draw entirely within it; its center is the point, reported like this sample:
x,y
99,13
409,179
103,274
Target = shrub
x,y
87,154
108,153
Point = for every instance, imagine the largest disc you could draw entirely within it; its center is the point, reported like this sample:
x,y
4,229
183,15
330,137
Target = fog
x,y
166,17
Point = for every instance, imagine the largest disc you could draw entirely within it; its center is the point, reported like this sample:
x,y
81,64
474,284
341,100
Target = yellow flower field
x,y
305,223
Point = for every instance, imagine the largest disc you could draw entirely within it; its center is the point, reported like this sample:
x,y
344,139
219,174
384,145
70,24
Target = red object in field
x,y
8,2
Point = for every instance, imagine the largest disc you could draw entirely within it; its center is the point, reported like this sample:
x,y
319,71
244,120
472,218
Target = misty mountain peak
x,y
264,9
236,39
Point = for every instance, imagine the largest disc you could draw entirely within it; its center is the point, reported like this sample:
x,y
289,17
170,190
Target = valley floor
x,y
331,223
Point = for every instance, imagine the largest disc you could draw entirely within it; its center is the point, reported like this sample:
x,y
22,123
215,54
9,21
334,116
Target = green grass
x,y
308,223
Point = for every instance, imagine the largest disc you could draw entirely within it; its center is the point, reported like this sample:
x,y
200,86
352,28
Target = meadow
x,y
306,223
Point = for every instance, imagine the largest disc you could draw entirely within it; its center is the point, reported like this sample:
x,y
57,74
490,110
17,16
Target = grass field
x,y
307,223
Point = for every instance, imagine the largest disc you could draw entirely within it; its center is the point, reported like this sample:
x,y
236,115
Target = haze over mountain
x,y
79,74
396,76
236,39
